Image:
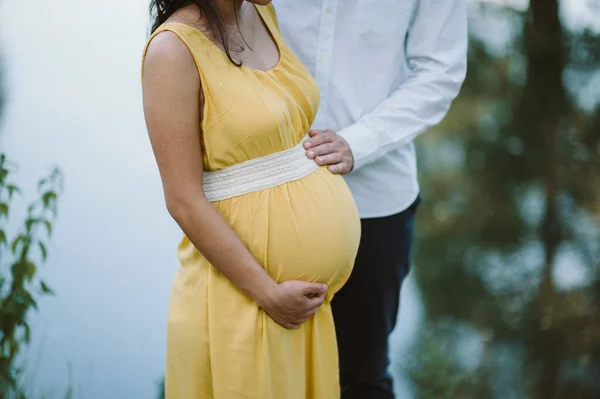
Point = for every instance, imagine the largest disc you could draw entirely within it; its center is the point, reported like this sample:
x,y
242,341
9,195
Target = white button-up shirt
x,y
388,70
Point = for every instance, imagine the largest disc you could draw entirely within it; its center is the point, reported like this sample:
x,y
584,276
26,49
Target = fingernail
x,y
332,169
311,154
307,144
319,160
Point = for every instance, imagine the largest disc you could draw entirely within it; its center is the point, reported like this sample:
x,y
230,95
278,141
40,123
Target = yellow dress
x,y
220,344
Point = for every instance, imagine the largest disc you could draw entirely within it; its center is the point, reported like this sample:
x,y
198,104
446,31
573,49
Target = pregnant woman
x,y
270,236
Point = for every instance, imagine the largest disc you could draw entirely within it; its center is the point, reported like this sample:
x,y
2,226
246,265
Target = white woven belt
x,y
258,174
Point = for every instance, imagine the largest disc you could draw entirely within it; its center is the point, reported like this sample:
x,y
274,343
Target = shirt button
x,y
329,9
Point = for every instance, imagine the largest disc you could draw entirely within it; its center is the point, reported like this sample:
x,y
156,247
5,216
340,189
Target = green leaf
x,y
27,337
29,223
12,189
26,298
46,289
21,239
24,269
48,198
43,250
48,227
3,174
3,209
3,237
42,183
14,346
30,269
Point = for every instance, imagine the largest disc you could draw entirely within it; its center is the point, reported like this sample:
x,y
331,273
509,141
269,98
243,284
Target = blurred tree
x,y
436,370
517,202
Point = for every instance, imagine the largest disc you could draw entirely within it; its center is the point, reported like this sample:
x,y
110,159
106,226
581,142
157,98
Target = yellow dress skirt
x,y
220,343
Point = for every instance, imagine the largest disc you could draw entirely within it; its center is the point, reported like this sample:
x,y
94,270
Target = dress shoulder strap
x,y
206,55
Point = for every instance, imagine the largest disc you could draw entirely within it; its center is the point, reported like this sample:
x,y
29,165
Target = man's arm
x,y
436,53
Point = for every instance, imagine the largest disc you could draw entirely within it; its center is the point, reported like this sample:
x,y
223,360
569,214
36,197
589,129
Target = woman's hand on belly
x,y
293,302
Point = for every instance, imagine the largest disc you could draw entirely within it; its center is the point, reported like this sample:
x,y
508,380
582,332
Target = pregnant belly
x,y
303,230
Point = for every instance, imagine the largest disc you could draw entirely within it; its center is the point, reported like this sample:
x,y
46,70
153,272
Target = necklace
x,y
245,30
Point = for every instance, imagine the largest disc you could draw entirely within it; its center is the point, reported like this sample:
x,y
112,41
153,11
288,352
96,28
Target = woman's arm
x,y
172,105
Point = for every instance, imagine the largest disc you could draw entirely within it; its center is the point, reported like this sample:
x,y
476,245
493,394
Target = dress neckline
x,y
222,52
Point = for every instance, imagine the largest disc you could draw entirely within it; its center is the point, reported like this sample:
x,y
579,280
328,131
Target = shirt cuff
x,y
361,142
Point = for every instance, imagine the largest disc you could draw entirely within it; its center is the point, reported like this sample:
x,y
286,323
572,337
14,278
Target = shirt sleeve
x,y
436,54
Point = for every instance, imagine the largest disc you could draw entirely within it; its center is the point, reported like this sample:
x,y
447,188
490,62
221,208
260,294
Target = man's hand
x,y
294,302
326,147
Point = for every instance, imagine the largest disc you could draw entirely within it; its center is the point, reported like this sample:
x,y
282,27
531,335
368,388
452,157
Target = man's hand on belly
x,y
326,147
293,302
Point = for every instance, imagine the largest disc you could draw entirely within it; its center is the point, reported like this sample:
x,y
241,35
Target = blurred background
x,y
503,300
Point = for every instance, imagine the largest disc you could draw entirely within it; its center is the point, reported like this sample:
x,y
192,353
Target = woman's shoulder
x,y
165,51
166,44
169,41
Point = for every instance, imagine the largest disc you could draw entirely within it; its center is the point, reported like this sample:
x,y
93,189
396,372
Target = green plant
x,y
20,287
161,388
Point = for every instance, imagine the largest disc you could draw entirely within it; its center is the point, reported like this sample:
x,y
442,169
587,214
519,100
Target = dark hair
x,y
161,10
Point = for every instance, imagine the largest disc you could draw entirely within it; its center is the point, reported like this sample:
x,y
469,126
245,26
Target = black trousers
x,y
365,309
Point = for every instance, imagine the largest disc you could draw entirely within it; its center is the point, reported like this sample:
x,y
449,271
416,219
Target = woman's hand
x,y
294,302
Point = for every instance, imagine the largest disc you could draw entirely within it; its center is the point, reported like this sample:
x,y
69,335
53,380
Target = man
x,y
388,70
